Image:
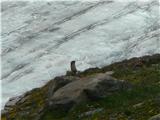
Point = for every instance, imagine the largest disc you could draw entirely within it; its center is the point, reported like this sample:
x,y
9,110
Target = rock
x,y
156,117
59,82
13,101
23,99
103,85
109,73
91,88
138,105
34,102
91,112
65,97
3,112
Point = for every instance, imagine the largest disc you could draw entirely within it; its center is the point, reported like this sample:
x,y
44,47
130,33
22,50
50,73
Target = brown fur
x,y
73,67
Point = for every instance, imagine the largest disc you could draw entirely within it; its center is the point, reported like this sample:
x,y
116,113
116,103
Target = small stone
x,y
13,101
156,117
90,113
138,105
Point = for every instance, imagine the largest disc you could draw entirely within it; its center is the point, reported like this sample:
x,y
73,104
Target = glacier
x,y
40,38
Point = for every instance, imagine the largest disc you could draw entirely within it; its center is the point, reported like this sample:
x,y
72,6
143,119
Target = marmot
x,y
73,67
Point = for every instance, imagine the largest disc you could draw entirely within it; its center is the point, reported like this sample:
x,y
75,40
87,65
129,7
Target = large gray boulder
x,y
90,88
59,82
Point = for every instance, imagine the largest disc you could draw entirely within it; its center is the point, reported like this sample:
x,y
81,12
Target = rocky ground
x,y
127,90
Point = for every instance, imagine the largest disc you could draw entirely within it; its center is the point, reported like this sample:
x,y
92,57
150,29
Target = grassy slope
x,y
140,103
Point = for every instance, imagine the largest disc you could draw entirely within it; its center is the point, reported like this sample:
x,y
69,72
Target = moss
x,y
35,100
91,71
54,115
3,117
146,75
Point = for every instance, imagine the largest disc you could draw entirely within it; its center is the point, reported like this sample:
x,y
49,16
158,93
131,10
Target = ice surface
x,y
39,39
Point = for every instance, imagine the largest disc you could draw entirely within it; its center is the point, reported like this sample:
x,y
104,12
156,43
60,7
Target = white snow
x,y
39,39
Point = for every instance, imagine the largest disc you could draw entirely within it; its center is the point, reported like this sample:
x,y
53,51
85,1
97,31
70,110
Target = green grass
x,y
122,104
145,75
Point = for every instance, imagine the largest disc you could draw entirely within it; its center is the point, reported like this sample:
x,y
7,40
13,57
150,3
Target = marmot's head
x,y
73,62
